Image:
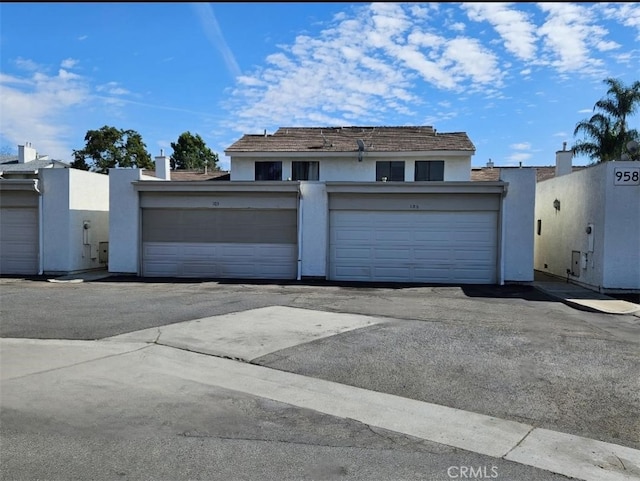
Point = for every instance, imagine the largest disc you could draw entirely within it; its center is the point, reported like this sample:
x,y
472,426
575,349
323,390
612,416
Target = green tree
x,y
109,147
79,161
606,133
191,153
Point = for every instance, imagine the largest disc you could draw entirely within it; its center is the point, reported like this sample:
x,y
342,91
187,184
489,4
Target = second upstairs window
x,y
305,170
429,170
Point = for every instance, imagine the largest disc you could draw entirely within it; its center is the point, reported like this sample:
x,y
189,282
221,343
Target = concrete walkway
x,y
582,298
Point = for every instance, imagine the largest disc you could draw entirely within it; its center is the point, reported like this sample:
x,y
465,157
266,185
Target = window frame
x,y
309,166
271,172
429,171
390,169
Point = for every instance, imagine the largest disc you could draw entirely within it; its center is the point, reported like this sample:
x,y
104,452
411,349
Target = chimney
x,y
26,153
163,166
563,161
490,164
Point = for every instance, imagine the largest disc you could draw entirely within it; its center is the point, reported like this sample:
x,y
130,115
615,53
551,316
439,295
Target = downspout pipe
x,y
40,229
300,219
503,236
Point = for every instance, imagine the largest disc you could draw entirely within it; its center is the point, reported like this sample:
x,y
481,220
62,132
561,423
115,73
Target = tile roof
x,y
186,175
493,173
344,139
11,164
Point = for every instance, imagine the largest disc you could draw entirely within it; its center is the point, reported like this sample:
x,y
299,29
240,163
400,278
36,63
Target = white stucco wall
x,y
315,229
56,220
71,197
349,169
518,224
590,197
124,218
621,259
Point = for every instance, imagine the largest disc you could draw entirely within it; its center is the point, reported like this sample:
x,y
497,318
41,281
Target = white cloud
x,y
519,157
628,14
362,67
83,37
214,34
112,88
513,26
26,64
568,33
69,63
34,109
521,146
11,79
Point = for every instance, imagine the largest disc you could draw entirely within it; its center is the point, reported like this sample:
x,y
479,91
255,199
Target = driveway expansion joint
x,y
517,445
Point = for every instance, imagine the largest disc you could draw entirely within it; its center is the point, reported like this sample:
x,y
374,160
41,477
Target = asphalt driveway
x,y
509,352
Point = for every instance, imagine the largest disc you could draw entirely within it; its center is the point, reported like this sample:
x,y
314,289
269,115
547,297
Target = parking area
x,y
508,352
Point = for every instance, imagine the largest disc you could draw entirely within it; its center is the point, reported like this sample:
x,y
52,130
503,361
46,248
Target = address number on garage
x,y
628,176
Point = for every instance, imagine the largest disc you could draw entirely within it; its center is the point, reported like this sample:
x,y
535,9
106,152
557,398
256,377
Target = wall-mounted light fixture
x,y
556,204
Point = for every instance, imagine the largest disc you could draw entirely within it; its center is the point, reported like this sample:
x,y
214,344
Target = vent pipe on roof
x,y
563,161
265,132
163,166
26,153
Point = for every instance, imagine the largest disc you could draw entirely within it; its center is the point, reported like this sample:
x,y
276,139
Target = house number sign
x,y
629,176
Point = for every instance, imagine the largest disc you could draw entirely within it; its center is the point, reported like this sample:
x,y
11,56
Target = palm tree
x,y
606,132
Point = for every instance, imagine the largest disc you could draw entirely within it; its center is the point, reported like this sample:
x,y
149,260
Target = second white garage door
x,y
229,243
425,246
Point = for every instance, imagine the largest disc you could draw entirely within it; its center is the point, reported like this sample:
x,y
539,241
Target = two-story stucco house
x,y
353,154
393,204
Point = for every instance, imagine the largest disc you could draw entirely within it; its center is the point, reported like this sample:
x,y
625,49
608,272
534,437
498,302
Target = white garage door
x,y
426,246
19,240
229,243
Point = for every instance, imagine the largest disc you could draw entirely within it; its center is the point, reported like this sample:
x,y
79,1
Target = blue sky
x,y
516,77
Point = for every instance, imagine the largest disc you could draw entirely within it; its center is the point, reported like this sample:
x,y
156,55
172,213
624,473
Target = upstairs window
x,y
305,170
390,170
268,170
429,170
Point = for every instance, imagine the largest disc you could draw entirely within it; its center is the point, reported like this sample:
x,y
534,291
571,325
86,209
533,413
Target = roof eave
x,y
367,153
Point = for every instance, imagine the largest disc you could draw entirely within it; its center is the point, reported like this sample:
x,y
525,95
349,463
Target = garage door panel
x,y
219,260
353,273
353,234
226,243
391,254
428,256
19,240
346,253
391,235
220,226
390,273
425,246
